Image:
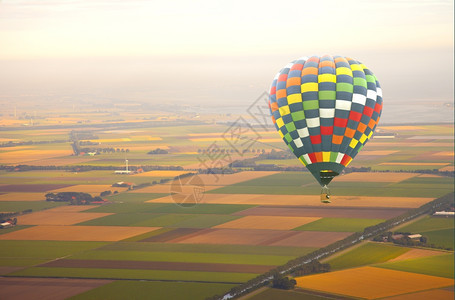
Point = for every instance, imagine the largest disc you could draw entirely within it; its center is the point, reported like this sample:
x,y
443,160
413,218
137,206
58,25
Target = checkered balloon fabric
x,y
325,109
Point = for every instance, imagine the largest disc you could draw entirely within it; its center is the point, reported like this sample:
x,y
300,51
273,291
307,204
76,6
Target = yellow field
x,y
378,152
413,164
444,153
417,253
438,294
91,189
22,197
268,222
67,160
374,177
49,217
76,233
306,200
371,283
404,128
448,169
22,156
161,173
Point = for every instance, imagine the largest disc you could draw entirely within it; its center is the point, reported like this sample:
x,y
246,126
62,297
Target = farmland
x,y
243,225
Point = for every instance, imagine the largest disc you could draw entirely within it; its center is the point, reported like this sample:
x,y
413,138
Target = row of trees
x,y
231,150
83,168
74,198
296,264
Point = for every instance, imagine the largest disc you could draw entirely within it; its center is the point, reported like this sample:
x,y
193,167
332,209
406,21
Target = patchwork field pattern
x,y
246,223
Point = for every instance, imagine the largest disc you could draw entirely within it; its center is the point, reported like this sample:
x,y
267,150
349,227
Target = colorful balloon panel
x,y
325,109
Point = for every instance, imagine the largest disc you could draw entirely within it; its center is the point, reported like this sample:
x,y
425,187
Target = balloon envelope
x,y
325,109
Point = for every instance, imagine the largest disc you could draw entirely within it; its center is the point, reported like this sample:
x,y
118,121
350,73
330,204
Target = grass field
x,y
135,274
340,224
273,294
195,248
428,223
18,206
154,290
438,265
134,197
196,257
367,254
28,253
303,183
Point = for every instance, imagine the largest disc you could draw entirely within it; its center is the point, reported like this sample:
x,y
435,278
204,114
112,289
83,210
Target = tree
x,y
284,283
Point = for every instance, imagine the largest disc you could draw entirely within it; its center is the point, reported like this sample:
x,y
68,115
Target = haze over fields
x,y
221,54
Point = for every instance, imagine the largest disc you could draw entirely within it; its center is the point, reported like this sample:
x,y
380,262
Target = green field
x,y
28,253
303,183
273,294
209,248
428,223
340,224
135,274
366,254
154,290
196,257
18,206
135,197
439,265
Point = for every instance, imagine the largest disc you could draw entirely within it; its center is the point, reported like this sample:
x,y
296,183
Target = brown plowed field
x,y
76,233
46,288
417,253
157,265
323,212
316,239
268,222
304,200
172,235
374,177
32,188
61,218
371,282
233,236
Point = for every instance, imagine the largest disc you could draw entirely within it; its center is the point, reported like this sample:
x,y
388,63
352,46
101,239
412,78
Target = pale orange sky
x,y
203,50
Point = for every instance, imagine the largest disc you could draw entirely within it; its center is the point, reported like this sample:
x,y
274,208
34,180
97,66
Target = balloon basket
x,y
325,195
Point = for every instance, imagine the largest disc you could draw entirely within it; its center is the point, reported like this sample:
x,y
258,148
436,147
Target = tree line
x,y
74,198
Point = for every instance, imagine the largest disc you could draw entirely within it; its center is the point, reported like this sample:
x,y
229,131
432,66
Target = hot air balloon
x,y
325,109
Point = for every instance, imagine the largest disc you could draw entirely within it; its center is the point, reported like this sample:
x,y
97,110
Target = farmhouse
x,y
444,214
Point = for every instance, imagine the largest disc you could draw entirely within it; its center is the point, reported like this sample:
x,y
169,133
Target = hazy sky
x,y
218,52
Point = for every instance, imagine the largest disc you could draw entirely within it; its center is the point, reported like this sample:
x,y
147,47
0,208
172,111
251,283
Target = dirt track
x,y
323,212
157,265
